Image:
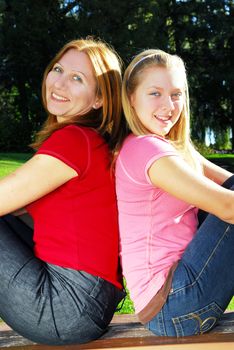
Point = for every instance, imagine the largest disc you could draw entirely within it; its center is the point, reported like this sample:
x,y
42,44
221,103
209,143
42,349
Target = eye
x,y
155,93
57,69
177,95
76,77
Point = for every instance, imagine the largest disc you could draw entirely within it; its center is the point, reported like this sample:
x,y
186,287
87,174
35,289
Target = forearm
x,y
215,172
177,178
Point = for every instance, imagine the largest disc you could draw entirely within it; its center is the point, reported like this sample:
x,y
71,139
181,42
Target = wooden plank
x,y
125,332
124,345
219,346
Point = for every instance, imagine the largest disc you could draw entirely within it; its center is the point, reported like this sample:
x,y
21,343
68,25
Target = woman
x,y
66,287
180,277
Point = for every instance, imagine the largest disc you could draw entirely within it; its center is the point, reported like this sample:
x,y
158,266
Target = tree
x,y
30,36
201,32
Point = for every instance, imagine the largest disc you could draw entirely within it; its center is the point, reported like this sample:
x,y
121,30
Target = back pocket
x,y
197,322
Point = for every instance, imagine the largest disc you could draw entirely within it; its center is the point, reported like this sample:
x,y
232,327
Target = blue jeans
x,y
47,303
203,282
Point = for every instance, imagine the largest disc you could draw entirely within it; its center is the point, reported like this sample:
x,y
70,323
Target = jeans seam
x,y
178,328
206,263
162,323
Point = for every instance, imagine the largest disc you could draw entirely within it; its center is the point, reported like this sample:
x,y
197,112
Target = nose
x,y
167,104
60,82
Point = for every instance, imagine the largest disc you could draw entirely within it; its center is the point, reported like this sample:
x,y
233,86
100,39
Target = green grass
x,y
10,161
126,306
231,305
220,159
221,156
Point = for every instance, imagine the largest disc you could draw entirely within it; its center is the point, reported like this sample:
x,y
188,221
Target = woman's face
x,y
159,99
71,86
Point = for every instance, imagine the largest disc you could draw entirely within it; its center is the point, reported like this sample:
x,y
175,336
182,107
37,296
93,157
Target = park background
x,y
200,31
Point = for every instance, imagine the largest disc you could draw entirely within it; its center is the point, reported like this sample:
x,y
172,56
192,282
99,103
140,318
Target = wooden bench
x,y
126,333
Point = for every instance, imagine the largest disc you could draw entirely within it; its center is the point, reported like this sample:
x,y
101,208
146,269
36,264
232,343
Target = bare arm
x,y
174,176
34,179
213,171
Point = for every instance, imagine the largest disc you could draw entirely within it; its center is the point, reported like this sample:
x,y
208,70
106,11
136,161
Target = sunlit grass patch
x,y
10,161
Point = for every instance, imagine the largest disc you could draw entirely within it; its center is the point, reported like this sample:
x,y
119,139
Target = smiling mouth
x,y
163,119
59,98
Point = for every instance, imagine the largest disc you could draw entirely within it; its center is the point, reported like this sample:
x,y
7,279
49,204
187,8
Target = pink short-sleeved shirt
x,y
155,227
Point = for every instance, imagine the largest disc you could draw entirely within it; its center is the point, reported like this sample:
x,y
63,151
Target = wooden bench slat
x,y
125,332
138,344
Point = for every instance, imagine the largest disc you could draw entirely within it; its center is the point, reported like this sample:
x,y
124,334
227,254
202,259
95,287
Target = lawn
x,y
10,161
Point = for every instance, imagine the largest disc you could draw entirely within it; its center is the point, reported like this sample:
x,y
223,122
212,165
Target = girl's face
x,y
71,86
159,98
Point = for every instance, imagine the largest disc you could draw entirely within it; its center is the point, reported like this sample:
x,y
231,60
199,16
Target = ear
x,y
98,103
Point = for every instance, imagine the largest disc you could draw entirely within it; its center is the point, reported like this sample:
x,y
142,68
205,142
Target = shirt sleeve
x,y
140,152
69,144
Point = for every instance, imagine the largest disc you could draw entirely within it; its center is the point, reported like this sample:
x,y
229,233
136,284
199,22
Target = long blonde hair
x,y
108,119
179,134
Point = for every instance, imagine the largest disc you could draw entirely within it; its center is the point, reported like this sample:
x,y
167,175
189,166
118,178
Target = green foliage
x,y
202,148
222,140
201,32
30,36
11,136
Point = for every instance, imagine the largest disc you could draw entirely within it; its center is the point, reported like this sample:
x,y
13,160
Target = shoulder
x,y
146,140
146,144
73,145
88,133
76,134
66,138
139,152
73,130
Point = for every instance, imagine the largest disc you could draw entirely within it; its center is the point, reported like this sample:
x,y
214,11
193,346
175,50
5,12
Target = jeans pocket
x,y
97,304
197,322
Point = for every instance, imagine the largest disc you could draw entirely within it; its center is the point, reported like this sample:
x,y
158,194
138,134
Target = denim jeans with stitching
x,y
203,282
47,303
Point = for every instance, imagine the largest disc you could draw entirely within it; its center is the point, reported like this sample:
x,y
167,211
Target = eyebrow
x,y
155,87
74,70
160,88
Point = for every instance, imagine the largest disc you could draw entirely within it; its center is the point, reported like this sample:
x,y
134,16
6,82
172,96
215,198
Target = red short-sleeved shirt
x,y
76,226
